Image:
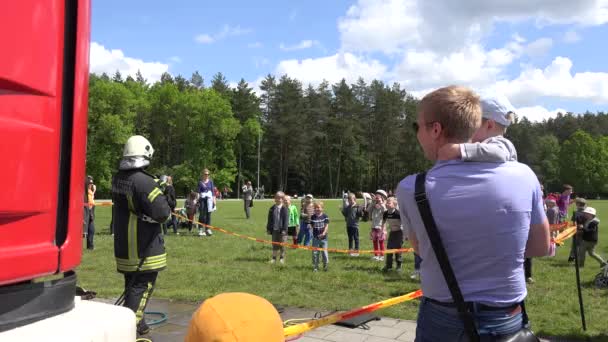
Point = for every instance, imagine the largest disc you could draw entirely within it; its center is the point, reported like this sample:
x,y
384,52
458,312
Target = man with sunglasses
x,y
485,246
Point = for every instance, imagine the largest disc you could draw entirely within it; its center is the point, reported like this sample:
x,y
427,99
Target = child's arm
x,y
492,150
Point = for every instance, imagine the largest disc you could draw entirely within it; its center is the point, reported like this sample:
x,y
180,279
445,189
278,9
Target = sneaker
x,y
415,275
355,254
201,232
325,268
282,261
272,261
209,232
386,269
375,257
530,280
315,269
380,258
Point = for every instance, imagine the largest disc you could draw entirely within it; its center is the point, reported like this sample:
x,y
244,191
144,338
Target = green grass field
x,y
200,267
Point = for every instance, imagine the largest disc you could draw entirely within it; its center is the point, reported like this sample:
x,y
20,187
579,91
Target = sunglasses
x,y
416,126
206,174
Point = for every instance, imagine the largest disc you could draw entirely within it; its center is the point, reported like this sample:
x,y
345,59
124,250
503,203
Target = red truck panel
x,y
31,81
71,250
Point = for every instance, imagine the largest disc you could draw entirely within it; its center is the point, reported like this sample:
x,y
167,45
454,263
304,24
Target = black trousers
x,y
353,237
89,226
172,222
204,216
528,267
138,290
395,240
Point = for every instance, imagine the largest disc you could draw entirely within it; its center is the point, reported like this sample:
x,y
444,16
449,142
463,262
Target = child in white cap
x,y
589,238
489,144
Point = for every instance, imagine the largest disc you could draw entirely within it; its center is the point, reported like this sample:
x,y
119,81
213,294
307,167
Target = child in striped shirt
x,y
320,224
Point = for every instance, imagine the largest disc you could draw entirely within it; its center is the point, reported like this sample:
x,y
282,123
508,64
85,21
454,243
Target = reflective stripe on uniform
x,y
150,263
139,314
153,194
132,237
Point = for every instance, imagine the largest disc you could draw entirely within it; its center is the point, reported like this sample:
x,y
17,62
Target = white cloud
x,y
204,39
386,26
571,37
175,59
472,66
539,47
434,43
557,81
446,25
108,61
538,113
255,45
225,32
304,44
332,68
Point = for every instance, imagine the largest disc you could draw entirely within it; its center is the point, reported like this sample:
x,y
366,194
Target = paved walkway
x,y
382,330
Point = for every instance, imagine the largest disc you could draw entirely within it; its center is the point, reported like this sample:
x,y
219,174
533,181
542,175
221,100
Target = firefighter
x,y
139,209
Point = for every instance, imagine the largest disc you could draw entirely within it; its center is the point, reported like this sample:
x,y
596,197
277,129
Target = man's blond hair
x,y
456,108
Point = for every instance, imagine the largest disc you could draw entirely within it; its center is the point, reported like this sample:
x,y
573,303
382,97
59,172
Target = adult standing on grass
x,y
485,246
247,198
139,209
206,202
564,201
90,232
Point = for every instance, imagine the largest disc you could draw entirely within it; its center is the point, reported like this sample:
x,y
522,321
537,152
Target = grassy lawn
x,y
202,267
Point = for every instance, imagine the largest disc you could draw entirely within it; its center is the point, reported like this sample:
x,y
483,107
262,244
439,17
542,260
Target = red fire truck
x,y
44,73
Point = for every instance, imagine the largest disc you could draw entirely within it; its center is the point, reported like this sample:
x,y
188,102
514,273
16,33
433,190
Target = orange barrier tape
x,y
304,327
558,226
565,235
333,250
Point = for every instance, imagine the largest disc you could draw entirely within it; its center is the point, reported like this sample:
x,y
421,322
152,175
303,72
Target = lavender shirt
x,y
483,212
204,187
563,203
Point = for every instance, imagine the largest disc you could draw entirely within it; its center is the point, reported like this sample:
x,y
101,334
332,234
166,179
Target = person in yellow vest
x,y
90,233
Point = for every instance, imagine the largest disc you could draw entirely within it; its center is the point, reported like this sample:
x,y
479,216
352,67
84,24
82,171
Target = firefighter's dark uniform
x,y
139,206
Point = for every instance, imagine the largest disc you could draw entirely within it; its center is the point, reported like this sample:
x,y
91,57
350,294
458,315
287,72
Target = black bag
x,y
524,335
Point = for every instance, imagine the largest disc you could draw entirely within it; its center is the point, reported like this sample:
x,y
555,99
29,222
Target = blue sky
x,y
546,56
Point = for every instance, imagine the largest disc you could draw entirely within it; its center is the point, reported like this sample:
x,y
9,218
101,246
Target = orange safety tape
x,y
333,250
304,327
565,235
558,226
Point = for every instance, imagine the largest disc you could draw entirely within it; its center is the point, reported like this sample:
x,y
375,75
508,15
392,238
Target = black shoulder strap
x,y
442,257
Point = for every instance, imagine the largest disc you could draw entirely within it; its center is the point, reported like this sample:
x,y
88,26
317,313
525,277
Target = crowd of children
x,y
309,226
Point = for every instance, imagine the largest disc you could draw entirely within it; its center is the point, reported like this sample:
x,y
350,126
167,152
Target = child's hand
x,y
448,152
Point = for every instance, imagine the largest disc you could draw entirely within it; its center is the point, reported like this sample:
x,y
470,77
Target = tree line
x,y
319,140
